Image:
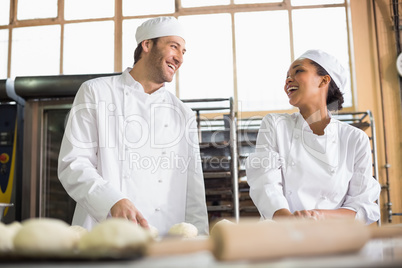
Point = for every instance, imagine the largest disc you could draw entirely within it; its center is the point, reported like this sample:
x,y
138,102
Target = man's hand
x,y
126,209
309,214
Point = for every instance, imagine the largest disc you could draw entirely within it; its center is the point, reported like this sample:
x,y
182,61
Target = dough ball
x,y
7,233
80,231
14,226
44,235
114,234
184,229
153,231
6,238
219,223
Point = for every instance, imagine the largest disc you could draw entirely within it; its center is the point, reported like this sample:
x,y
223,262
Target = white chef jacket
x,y
121,142
295,169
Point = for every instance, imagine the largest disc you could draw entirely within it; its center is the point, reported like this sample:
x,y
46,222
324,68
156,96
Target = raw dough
x,y
7,233
80,231
112,234
45,235
184,229
153,231
221,222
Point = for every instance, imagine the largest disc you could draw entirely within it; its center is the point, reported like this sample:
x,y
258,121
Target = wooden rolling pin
x,y
266,240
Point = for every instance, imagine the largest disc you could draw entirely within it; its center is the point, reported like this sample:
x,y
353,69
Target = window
x,y
262,59
28,9
149,7
4,12
35,51
203,3
235,48
3,53
89,47
207,70
85,9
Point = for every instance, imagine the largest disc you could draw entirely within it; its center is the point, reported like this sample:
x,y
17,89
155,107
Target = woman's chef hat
x,y
330,64
159,27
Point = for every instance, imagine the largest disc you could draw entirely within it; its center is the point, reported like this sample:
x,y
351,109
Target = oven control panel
x,y
7,151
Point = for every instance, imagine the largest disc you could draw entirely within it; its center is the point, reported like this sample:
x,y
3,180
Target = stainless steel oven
x,y
46,101
42,193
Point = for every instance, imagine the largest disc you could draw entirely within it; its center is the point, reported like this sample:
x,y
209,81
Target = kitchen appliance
x,y
43,103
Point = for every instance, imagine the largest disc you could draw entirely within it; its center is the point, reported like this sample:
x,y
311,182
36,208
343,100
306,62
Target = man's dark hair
x,y
138,50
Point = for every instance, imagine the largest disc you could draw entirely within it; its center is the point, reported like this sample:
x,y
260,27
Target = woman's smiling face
x,y
303,84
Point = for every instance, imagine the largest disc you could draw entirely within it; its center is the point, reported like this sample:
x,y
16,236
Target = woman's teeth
x,y
291,89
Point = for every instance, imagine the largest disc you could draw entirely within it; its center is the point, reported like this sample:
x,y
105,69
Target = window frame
x,y
231,9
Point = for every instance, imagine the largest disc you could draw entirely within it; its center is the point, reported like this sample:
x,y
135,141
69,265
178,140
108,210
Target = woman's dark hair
x,y
138,50
335,96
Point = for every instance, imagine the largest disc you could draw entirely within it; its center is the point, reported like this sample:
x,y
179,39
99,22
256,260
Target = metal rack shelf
x,y
218,147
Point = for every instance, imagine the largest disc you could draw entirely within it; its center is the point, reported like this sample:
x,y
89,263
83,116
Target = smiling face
x,y
304,86
165,58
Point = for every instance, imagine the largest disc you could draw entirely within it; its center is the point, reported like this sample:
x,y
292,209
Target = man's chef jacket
x,y
295,169
121,142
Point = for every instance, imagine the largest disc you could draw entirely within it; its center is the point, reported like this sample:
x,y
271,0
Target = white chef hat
x,y
330,64
159,27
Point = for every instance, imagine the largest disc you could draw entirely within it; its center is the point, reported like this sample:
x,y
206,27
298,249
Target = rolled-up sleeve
x,y
264,175
364,190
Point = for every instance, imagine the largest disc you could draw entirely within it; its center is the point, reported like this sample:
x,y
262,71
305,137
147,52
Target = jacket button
x,y
166,125
157,209
296,136
159,180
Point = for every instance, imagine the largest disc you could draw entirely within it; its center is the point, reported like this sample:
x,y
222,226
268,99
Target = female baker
x,y
308,164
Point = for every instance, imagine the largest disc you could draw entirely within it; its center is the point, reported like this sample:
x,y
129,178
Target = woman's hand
x,y
125,209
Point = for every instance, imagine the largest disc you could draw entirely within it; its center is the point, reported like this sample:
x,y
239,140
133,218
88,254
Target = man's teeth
x,y
172,66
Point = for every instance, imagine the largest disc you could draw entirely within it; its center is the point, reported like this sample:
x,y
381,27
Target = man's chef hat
x,y
330,64
159,27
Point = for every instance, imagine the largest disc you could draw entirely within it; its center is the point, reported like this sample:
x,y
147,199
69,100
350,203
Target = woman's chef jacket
x,y
295,169
120,142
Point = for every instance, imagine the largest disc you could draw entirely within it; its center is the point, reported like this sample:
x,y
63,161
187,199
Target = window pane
x,y
4,12
207,71
308,35
28,9
203,3
262,60
88,9
138,7
315,2
129,45
89,47
3,53
256,1
36,51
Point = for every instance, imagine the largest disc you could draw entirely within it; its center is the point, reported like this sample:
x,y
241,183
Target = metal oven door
x,y
42,193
